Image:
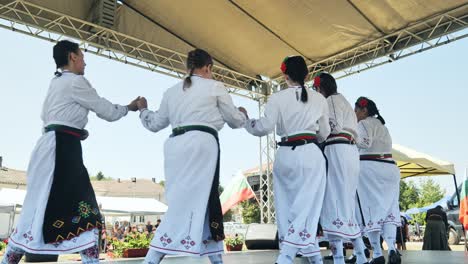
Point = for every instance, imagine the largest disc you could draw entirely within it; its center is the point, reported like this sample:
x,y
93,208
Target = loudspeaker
x,y
261,236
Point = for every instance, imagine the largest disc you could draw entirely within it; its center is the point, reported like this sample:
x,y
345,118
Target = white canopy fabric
x,y
250,37
9,198
413,163
133,206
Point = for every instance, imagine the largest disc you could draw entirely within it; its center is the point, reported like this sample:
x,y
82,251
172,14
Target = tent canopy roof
x,y
249,37
413,163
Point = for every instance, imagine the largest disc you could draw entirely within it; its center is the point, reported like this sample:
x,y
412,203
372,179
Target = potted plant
x,y
234,243
134,245
3,246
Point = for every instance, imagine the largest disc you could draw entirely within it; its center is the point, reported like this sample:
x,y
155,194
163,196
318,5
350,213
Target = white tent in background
x,y
413,163
11,201
130,206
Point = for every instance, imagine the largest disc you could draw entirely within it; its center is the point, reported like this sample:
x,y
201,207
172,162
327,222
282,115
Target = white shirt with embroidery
x,y
373,138
70,98
285,111
342,116
205,102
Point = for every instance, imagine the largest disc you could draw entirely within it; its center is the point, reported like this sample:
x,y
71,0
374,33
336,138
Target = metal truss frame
x,y
267,153
34,20
429,33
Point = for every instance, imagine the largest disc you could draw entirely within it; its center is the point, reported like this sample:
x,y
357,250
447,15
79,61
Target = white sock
x,y
359,246
287,254
374,238
216,259
317,259
153,257
389,235
336,244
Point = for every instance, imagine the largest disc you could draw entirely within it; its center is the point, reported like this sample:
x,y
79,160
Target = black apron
x,y
72,207
215,214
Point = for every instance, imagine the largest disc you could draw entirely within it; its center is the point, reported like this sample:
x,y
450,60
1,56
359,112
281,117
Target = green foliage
x,y
250,211
233,241
3,246
100,177
411,196
132,240
162,183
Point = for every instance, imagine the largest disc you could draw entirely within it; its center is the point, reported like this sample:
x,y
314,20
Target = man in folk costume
x,y
60,214
300,116
379,180
338,218
197,109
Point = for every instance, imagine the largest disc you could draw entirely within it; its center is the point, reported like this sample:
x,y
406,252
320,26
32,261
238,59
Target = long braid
x,y
196,58
304,95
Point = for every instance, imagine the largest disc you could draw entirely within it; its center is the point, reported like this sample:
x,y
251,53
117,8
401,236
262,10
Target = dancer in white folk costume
x,y
197,109
300,116
60,214
379,181
338,218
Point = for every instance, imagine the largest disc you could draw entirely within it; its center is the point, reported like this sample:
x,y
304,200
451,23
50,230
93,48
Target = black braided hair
x,y
364,102
327,84
296,68
196,59
61,52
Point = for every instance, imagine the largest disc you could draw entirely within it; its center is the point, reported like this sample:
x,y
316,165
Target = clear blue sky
x,y
423,99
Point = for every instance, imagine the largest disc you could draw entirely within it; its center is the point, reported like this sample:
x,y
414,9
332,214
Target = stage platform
x,y
269,257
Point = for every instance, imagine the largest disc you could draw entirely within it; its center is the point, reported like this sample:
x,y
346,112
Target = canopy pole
x,y
459,204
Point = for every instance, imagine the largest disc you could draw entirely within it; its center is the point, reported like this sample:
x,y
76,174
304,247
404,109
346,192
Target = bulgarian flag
x,y
237,191
463,216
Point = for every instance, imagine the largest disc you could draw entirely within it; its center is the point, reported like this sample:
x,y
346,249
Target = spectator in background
x,y
435,235
402,234
149,227
158,222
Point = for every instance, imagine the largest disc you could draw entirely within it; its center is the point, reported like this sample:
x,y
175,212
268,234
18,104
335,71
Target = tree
x,y
409,195
431,192
162,183
250,211
100,176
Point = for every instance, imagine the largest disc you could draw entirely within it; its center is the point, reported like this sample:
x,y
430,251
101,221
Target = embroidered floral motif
x,y
370,224
338,223
188,242
13,257
350,223
304,234
76,219
291,230
84,209
28,237
391,217
95,211
92,252
58,224
165,240
380,222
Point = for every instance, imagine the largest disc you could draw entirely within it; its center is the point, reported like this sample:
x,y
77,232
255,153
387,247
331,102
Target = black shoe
x,y
329,257
394,257
351,260
379,260
367,252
